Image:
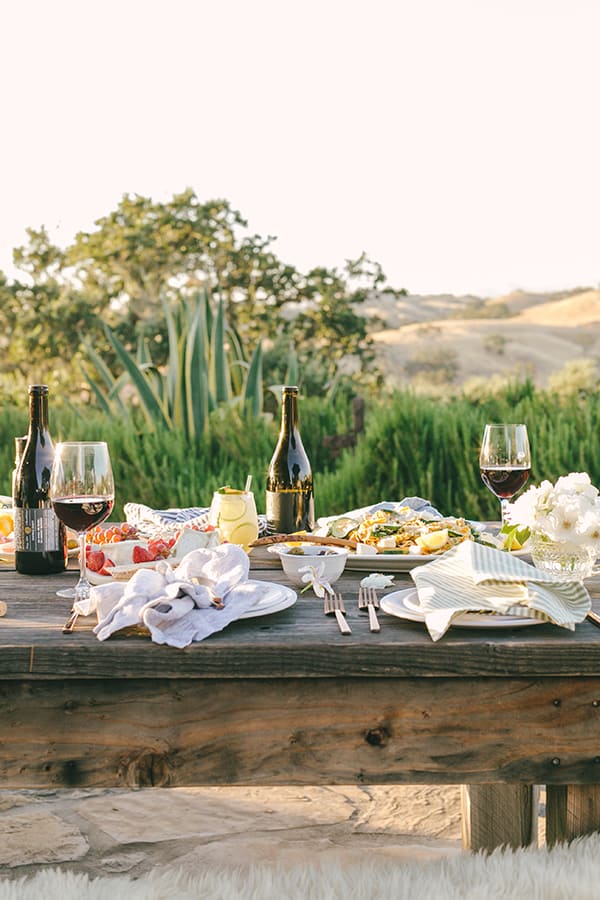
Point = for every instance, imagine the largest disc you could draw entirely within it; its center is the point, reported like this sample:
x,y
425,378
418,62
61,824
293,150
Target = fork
x,y
367,599
69,625
333,603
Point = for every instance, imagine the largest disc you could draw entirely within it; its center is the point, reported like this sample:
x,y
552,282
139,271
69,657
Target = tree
x,y
145,252
44,317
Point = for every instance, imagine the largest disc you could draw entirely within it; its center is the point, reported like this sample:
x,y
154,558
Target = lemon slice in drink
x,y
342,527
435,540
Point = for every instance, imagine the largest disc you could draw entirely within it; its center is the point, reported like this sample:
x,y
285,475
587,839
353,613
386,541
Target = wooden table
x,y
286,699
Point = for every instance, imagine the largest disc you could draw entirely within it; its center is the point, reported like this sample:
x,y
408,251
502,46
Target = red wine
x,y
505,481
289,496
82,513
40,537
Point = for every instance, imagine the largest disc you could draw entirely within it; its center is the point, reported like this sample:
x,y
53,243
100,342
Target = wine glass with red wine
x,y
82,492
505,461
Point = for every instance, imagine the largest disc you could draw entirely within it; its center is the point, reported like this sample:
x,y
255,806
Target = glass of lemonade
x,y
233,514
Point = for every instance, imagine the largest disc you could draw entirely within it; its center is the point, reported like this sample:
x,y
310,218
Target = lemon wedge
x,y
6,524
435,540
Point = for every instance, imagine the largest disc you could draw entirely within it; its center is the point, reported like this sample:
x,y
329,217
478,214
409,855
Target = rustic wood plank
x,y
293,643
571,810
294,731
499,815
285,699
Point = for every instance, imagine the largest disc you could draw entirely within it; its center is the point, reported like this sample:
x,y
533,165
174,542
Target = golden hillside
x,y
537,335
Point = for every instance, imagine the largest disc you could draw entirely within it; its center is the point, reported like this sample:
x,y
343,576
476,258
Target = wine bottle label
x,y
289,510
37,530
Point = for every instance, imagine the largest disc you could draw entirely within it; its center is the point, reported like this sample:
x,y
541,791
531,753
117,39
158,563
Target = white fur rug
x,y
564,873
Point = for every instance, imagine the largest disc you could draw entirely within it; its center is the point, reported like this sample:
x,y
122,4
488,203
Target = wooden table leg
x,y
495,815
571,810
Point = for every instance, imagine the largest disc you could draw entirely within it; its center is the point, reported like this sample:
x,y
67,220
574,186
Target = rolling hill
x,y
516,334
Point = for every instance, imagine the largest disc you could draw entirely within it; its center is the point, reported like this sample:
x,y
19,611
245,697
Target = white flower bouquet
x,y
567,512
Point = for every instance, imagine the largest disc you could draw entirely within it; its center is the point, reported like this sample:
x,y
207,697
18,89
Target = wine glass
x,y
82,493
505,461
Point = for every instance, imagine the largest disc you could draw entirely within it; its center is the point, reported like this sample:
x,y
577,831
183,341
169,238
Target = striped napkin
x,y
474,578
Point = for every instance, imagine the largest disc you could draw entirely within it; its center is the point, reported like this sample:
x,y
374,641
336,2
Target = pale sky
x,y
455,141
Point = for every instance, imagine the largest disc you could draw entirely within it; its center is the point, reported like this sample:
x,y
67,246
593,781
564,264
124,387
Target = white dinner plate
x,y
400,562
405,605
276,598
9,558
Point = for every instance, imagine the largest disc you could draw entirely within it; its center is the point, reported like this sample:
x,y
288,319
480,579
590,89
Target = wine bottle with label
x,y
289,500
40,537
20,444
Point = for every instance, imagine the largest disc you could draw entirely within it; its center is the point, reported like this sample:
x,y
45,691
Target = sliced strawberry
x,y
95,560
140,555
159,548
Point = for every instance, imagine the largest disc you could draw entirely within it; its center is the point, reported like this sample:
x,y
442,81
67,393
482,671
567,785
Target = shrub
x,y
437,365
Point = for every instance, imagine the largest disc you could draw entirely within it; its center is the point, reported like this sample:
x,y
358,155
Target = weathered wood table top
x,y
286,699
298,642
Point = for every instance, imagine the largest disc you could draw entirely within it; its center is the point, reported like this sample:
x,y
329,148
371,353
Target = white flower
x,y
568,511
590,526
313,575
576,483
377,580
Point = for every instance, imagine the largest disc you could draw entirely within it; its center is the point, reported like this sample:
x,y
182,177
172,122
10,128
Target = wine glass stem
x,y
503,508
82,588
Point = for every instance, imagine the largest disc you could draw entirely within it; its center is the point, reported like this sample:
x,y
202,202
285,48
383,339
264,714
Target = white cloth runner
x,y
176,605
472,578
149,520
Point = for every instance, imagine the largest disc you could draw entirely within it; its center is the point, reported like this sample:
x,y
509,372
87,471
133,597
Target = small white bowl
x,y
294,558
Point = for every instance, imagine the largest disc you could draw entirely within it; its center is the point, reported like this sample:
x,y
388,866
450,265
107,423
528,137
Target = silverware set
x,y
333,604
367,599
594,618
69,625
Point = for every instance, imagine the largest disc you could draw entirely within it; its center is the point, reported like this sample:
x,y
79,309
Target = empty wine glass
x,y
82,493
505,461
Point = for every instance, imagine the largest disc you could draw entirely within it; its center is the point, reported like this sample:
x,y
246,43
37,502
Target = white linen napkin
x,y
178,605
473,578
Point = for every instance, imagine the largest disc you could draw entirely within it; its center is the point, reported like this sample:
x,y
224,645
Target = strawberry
x,y
105,570
158,548
140,555
95,560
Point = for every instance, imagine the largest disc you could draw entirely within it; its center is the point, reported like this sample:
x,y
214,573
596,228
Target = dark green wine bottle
x,y
40,537
289,500
20,444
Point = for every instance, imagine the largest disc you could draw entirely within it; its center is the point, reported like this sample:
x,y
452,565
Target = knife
x,y
593,617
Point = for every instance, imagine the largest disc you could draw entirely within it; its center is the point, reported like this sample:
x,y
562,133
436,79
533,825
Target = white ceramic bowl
x,y
333,559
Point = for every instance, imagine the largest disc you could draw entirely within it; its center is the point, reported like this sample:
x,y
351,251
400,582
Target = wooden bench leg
x,y
571,810
496,815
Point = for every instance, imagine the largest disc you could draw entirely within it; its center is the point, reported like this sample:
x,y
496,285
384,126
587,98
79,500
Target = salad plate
x,y
401,562
387,562
405,605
